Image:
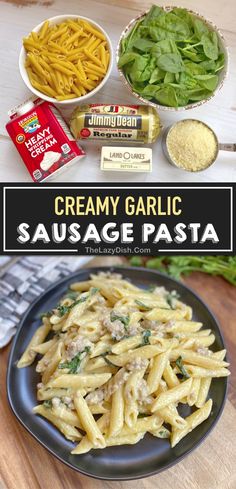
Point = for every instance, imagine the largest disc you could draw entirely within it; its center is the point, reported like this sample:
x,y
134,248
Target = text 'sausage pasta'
x,y
116,361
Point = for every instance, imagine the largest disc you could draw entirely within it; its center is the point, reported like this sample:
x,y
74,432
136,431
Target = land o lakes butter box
x,y
117,158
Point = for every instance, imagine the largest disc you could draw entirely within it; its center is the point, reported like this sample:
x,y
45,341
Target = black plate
x,y
151,455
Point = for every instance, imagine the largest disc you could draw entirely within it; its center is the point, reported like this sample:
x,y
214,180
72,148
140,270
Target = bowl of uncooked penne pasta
x,y
115,365
66,59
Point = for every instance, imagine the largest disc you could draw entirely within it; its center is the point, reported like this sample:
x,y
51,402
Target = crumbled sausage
x,y
56,401
107,275
116,328
160,291
202,350
95,397
137,364
76,346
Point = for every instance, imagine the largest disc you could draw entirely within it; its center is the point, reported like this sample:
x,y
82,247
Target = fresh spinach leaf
x,y
167,96
142,415
146,335
104,355
182,369
143,45
200,28
62,309
142,305
74,364
171,62
123,319
164,433
210,45
48,404
163,44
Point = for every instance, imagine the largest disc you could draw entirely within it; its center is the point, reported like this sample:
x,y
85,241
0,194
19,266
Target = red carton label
x,y
43,140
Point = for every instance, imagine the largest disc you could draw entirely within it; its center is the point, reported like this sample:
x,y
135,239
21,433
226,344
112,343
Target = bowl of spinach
x,y
172,58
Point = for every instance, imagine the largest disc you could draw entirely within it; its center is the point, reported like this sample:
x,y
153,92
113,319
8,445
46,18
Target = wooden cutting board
x,y
24,464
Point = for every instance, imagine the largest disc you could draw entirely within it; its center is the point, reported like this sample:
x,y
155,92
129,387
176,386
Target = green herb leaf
x,y
182,369
142,305
146,335
136,261
74,364
65,309
164,433
47,404
104,355
123,319
176,266
93,291
71,294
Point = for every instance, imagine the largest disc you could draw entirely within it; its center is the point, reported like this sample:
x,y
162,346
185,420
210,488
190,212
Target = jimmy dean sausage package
x,y
43,139
126,123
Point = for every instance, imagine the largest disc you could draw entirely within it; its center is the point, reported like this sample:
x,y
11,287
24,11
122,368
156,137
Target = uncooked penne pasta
x,y
72,49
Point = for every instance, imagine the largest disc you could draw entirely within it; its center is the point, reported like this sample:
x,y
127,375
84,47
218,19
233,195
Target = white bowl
x,y
58,19
223,74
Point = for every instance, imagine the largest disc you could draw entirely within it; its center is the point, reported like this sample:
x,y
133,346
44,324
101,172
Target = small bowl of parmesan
x,y
190,145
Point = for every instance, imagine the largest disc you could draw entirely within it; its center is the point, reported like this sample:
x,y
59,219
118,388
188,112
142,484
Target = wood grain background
x,y
24,464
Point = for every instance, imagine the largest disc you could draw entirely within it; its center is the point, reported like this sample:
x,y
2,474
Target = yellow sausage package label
x,y
126,123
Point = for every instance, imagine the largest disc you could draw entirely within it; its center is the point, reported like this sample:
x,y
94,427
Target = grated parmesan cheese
x,y
192,145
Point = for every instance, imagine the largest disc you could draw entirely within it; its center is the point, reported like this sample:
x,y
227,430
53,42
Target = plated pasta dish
x,y
117,361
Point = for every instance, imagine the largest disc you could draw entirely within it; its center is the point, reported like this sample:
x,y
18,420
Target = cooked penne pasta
x,y
204,387
78,381
29,354
70,432
192,422
88,422
172,395
116,361
157,370
117,412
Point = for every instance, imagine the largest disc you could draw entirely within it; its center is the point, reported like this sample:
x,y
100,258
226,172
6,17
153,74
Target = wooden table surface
x,y
17,19
24,464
